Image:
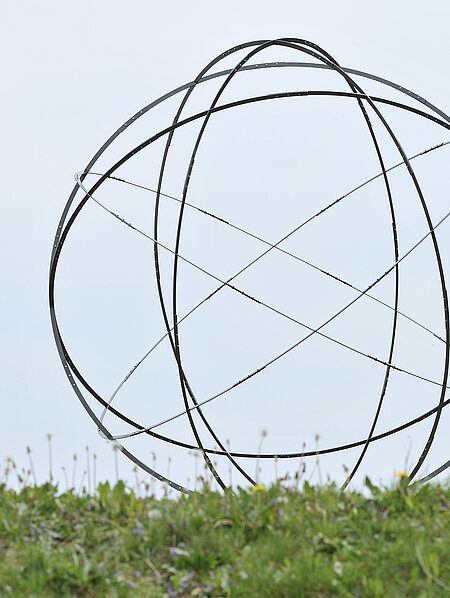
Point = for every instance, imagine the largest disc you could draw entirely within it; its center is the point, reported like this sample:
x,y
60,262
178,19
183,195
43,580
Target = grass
x,y
278,542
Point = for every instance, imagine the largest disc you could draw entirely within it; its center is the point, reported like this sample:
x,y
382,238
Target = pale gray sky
x,y
74,72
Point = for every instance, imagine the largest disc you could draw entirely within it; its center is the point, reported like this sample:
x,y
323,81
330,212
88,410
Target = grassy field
x,y
274,542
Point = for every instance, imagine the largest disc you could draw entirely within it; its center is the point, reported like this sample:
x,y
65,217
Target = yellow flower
x,y
258,488
402,474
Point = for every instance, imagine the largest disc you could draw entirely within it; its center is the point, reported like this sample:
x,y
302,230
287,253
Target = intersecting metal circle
x,y
370,110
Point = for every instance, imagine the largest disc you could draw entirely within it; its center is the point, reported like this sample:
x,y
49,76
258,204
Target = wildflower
x,y
138,574
258,488
154,514
138,530
191,575
208,588
402,474
338,568
102,567
170,591
281,513
177,551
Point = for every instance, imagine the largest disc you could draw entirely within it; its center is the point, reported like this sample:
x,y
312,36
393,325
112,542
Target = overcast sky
x,y
72,74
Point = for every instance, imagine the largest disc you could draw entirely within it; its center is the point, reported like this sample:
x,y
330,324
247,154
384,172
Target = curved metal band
x,y
172,330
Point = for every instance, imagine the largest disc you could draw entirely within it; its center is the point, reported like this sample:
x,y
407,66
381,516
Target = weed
x,y
277,541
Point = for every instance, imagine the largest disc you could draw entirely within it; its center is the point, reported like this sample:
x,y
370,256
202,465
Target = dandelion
x,y
258,488
402,474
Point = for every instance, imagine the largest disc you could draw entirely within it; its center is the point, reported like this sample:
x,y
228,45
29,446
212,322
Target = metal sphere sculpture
x,y
306,56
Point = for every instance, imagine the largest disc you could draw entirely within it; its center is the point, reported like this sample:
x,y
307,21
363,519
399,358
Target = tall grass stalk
x,y
50,458
30,460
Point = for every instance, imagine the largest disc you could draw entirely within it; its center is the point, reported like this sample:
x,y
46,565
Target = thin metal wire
x,y
279,312
252,235
366,103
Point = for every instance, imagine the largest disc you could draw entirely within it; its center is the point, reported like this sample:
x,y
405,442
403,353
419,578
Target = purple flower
x,y
181,544
184,585
281,513
26,538
170,591
102,567
385,515
191,575
208,588
138,530
171,551
138,574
